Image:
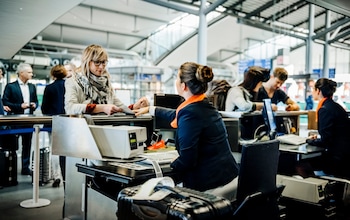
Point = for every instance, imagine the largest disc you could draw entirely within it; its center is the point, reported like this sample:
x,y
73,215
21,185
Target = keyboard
x,y
165,157
292,139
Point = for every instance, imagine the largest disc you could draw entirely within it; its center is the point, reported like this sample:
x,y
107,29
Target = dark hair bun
x,y
205,74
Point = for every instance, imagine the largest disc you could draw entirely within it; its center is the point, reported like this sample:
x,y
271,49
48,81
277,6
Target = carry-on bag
x,y
163,201
44,165
8,168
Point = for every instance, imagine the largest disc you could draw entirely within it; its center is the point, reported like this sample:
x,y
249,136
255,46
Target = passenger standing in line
x,y
53,104
70,67
6,141
205,160
90,91
333,126
239,97
271,90
3,108
20,96
309,99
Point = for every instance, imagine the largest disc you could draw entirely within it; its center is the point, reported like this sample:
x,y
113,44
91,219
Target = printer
x,y
308,189
119,141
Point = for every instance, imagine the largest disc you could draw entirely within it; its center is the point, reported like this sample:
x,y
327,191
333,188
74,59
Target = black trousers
x,y
26,149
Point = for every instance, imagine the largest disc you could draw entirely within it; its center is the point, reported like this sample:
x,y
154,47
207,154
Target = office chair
x,y
257,193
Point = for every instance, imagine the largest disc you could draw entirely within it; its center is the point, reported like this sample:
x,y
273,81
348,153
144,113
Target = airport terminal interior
x,y
147,41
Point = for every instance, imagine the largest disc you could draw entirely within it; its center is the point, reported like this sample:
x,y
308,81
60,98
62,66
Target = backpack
x,y
218,92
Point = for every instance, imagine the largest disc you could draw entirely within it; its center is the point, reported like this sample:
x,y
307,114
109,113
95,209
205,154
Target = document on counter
x,y
231,114
132,166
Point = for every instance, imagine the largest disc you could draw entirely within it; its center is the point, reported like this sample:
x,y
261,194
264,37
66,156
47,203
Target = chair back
x,y
258,169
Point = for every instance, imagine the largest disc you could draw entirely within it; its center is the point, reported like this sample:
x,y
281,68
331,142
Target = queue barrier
x,y
35,202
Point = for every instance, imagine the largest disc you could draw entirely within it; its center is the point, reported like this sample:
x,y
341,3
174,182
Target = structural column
x,y
308,60
202,34
325,71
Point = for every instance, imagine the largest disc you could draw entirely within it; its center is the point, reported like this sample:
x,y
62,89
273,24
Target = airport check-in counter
x,y
286,122
90,181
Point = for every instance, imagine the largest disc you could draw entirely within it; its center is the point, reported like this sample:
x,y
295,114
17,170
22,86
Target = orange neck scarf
x,y
192,99
320,103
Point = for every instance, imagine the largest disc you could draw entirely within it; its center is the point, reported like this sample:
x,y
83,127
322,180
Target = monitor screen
x,y
167,101
269,117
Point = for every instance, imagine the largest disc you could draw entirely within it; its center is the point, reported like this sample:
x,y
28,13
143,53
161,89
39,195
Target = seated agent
x,y
239,97
271,89
333,127
90,91
205,160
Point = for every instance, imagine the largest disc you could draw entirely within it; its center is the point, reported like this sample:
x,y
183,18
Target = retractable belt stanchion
x,y
36,201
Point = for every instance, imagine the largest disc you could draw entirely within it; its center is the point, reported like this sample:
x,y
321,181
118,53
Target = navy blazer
x,y
205,160
333,127
13,97
53,98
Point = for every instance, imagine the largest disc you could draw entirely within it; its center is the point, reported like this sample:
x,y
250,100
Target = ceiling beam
x,y
331,28
173,6
339,36
257,11
267,27
285,11
340,6
97,30
123,13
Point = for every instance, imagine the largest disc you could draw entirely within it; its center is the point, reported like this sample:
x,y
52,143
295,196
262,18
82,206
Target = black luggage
x,y
9,142
179,203
44,165
8,168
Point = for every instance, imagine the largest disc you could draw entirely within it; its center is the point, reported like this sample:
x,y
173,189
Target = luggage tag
x,y
147,192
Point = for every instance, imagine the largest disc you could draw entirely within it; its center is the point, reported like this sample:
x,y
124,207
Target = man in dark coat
x,y
20,96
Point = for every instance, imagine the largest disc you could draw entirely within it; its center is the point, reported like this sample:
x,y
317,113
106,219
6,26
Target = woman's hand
x,y
107,108
141,111
142,102
312,137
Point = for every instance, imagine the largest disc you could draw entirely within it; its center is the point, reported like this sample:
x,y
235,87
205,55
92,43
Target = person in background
x,y
239,97
3,108
90,91
20,96
333,127
70,67
8,141
309,100
271,89
205,161
53,104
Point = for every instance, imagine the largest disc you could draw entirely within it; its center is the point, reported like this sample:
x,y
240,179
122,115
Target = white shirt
x,y
25,93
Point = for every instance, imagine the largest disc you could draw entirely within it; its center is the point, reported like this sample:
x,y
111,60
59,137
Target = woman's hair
x,y
326,86
58,72
253,75
92,53
196,77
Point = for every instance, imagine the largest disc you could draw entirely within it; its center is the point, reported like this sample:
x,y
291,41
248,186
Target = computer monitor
x,y
269,118
167,101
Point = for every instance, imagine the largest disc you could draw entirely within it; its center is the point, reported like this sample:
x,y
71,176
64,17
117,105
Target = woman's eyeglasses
x,y
99,62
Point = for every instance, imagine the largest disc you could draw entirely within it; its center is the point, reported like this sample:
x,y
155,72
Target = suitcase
x,y
179,203
8,168
9,142
44,165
